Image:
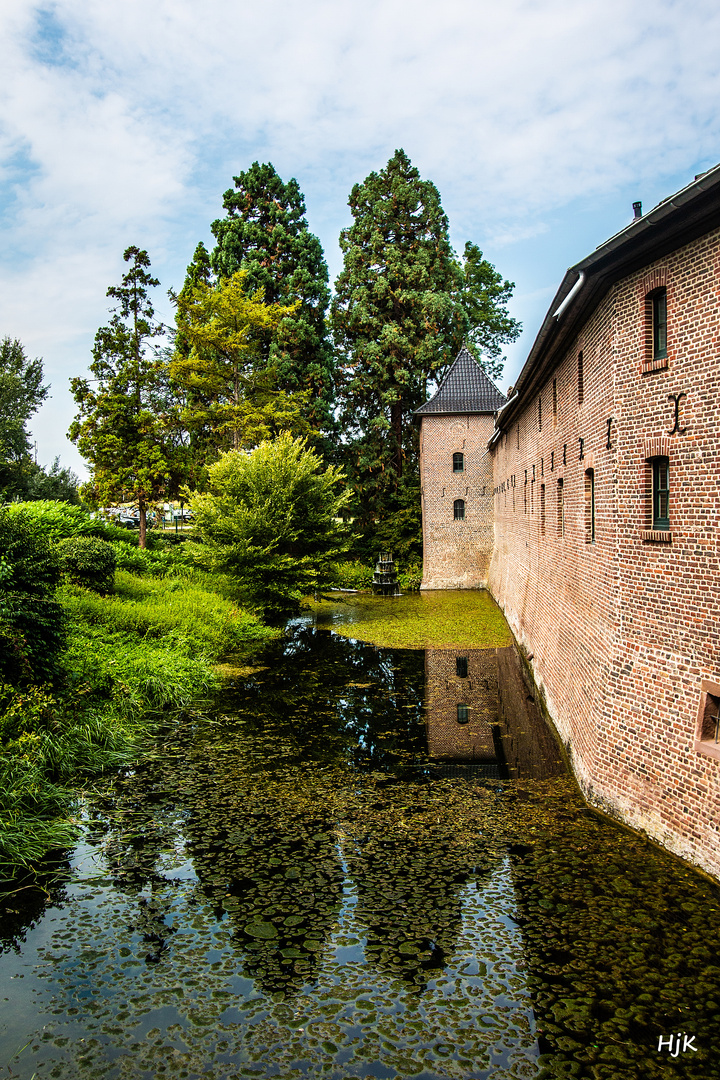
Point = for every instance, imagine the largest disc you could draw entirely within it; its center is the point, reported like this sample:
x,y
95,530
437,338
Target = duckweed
x,y
295,891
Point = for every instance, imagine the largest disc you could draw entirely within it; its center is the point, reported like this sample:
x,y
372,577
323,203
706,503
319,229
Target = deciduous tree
x,y
231,394
21,394
124,427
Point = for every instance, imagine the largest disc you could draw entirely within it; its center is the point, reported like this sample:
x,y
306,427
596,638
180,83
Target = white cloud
x,y
123,123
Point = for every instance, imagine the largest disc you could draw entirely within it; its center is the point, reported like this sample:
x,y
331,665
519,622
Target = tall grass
x,y
132,659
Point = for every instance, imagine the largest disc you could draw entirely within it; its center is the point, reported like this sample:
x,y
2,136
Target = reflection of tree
x,y
266,855
409,882
25,902
329,698
620,947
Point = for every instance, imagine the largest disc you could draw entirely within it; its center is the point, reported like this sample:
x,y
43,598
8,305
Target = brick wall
x,y
456,554
624,629
444,690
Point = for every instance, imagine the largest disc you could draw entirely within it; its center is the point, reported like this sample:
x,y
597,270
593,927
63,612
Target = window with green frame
x,y
661,493
659,320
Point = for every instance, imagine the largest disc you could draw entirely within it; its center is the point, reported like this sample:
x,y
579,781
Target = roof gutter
x,y
571,295
602,265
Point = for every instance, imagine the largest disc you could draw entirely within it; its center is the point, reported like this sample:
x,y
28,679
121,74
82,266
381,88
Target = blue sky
x,y
539,122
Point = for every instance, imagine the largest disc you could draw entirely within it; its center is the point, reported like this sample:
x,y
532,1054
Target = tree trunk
x,y
142,511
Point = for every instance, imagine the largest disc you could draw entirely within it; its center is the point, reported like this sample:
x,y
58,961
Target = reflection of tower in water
x,y
461,689
481,711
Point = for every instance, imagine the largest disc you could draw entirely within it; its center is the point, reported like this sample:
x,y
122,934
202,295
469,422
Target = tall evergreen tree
x,y
124,427
403,307
265,233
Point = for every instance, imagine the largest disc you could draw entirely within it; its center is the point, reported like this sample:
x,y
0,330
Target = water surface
x,y
332,877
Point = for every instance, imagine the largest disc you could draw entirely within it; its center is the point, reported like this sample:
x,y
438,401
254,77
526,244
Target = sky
x,y
539,121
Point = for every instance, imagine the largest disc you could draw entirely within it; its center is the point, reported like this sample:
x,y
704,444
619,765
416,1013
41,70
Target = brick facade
x,y
456,553
614,597
625,628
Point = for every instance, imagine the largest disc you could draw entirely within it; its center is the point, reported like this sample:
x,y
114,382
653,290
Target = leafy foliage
x,y
88,561
21,394
265,233
125,427
32,624
230,394
270,518
57,520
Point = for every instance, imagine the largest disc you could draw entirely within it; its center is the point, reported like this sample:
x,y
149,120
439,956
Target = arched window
x,y
458,463
462,714
459,509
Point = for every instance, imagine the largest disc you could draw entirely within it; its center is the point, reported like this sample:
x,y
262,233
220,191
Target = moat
x,y
337,872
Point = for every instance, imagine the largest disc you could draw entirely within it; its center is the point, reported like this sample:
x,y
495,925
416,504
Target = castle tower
x,y
456,477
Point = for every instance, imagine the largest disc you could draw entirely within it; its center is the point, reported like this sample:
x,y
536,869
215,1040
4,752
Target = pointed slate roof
x,y
465,389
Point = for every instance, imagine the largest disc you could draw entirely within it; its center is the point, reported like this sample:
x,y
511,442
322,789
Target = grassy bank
x,y
131,660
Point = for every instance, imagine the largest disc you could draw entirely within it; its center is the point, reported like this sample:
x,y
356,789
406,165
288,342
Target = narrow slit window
x,y
461,666
661,493
659,321
590,506
458,463
542,509
581,380
462,714
459,510
554,403
539,414
561,508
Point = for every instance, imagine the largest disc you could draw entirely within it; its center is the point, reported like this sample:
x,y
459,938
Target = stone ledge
x,y
656,536
710,749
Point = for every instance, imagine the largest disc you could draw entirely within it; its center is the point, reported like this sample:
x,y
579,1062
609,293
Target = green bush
x,y
410,577
32,623
88,561
358,575
352,575
59,520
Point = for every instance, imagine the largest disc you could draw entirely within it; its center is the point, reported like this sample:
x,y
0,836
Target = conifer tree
x,y
124,428
403,307
265,233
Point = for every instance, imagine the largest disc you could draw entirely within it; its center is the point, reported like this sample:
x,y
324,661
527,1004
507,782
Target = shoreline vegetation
x,y
157,640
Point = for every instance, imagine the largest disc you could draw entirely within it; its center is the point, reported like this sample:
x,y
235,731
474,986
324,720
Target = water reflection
x,y
301,886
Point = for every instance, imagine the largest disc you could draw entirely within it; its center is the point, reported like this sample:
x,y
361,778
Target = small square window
x,y
458,463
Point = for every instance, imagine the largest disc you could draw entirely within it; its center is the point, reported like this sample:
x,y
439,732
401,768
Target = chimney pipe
x,y
637,209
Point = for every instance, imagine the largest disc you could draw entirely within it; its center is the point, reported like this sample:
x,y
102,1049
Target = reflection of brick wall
x,y
530,748
624,630
444,690
456,554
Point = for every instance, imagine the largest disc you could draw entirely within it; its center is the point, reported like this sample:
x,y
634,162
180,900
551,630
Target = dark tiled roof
x,y
465,389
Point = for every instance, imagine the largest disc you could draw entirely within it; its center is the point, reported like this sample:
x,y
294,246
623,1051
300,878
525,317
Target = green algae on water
x,y
443,619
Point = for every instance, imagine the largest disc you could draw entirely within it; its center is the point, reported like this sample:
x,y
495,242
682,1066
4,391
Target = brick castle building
x,y
589,505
